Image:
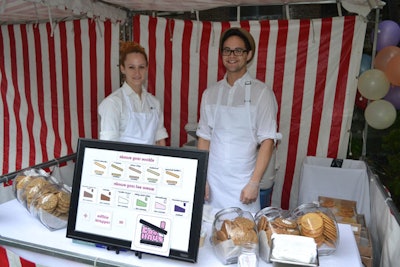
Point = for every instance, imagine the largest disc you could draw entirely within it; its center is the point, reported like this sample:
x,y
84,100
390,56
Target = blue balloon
x,y
366,61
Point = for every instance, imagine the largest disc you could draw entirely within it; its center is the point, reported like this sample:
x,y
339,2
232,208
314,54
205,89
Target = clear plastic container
x,y
44,196
28,183
272,220
319,223
51,206
233,228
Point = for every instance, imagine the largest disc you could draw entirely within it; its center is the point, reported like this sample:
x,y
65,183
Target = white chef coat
x,y
127,117
235,124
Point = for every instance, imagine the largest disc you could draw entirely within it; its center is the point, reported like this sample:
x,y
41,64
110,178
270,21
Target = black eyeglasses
x,y
236,52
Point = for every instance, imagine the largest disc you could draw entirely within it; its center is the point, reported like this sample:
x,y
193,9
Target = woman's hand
x,y
250,192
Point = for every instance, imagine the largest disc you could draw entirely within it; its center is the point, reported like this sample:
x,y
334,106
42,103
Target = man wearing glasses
x,y
237,115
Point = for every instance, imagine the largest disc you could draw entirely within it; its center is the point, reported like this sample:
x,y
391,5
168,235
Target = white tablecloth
x,y
18,225
348,182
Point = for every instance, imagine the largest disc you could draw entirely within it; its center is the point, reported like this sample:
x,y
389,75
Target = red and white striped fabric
x,y
312,66
10,259
52,78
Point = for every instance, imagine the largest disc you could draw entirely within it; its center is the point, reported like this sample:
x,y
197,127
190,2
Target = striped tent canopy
x,y
311,65
24,11
53,76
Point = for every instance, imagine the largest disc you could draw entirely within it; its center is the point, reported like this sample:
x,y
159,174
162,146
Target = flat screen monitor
x,y
144,198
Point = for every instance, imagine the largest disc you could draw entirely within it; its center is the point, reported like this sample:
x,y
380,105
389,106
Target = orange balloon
x,y
392,70
384,56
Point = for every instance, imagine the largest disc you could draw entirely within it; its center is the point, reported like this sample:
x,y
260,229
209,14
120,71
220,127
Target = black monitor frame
x,y
104,147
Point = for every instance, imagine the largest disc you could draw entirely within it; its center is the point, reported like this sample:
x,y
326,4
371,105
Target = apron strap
x,y
247,102
218,104
128,101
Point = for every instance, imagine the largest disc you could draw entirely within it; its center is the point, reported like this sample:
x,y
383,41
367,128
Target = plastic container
x,y
319,223
272,220
51,206
44,196
28,183
232,229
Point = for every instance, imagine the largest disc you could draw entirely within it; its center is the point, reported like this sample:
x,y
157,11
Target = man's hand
x,y
249,193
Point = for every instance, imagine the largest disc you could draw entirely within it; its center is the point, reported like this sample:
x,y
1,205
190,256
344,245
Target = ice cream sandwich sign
x,y
152,235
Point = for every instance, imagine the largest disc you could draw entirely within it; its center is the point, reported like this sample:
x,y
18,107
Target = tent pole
x,y
339,8
365,132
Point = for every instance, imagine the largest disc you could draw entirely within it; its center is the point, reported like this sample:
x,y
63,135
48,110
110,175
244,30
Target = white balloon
x,y
380,114
373,84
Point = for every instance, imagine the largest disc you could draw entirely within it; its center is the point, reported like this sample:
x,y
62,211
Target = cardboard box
x,y
345,211
365,244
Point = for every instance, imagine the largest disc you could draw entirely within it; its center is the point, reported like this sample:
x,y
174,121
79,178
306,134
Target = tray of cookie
x,y
232,228
345,211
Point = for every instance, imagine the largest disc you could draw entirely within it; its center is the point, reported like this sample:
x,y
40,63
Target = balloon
x,y
380,114
393,96
361,101
384,56
392,70
373,84
388,34
365,63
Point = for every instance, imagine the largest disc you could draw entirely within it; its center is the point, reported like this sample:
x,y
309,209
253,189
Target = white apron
x,y
141,127
232,154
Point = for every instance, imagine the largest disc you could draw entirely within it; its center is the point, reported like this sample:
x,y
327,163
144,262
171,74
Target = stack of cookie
x,y
277,225
26,187
312,225
240,230
44,196
53,209
319,226
232,229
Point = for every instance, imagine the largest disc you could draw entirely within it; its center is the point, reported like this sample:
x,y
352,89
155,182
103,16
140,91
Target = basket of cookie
x,y
320,224
232,229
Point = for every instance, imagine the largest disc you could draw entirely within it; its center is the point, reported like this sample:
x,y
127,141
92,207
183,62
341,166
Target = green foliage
x,y
391,150
383,151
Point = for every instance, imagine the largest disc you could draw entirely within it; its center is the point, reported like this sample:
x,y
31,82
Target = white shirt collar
x,y
128,90
241,81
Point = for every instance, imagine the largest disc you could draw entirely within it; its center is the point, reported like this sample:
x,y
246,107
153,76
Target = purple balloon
x,y
388,34
393,96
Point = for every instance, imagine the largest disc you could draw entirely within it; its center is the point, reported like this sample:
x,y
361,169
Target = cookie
x,y
311,221
286,223
221,235
327,203
262,224
49,202
244,223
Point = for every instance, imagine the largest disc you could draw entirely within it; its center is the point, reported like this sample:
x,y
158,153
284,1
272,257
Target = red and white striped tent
x,y
59,59
54,72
